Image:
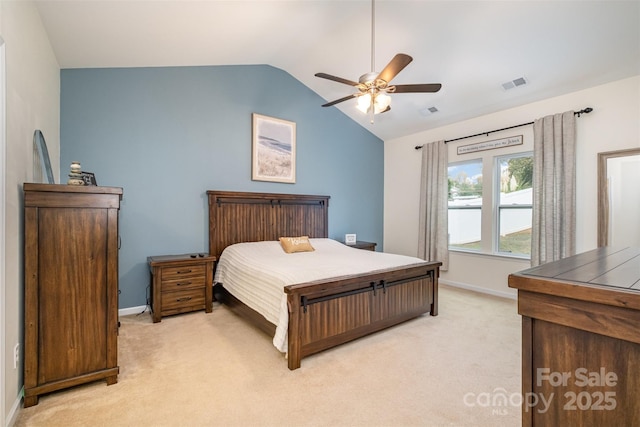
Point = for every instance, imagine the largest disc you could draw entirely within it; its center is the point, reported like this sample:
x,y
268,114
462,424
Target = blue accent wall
x,y
167,135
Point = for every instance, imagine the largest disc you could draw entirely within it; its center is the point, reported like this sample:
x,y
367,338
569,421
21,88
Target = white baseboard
x,y
132,310
479,289
12,416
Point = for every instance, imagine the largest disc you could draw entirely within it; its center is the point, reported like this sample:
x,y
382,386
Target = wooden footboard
x,y
324,314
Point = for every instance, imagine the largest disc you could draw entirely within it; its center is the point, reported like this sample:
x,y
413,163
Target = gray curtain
x,y
554,181
433,230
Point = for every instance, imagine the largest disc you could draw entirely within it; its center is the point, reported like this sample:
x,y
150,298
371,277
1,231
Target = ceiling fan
x,y
373,87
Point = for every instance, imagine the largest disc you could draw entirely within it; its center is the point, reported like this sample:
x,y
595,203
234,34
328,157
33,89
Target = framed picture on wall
x,y
273,150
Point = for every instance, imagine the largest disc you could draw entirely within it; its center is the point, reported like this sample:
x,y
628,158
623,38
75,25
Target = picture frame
x,y
273,153
89,178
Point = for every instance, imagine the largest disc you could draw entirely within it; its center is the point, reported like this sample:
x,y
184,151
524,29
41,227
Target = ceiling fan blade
x,y
386,109
336,79
431,87
337,101
396,65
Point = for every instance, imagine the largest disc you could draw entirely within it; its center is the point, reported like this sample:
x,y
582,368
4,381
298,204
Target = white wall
x,y
33,102
614,124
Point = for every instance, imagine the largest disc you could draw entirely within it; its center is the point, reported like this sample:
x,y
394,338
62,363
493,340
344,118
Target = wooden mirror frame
x,y
603,191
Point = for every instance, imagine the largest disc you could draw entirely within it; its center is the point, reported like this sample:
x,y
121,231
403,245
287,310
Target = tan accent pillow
x,y
296,244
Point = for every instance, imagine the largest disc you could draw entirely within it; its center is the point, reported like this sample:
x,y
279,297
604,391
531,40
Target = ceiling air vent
x,y
429,110
520,81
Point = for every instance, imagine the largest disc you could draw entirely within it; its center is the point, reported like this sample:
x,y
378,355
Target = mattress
x,y
256,273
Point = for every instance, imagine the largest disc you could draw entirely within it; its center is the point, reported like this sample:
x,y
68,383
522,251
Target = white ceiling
x,y
471,47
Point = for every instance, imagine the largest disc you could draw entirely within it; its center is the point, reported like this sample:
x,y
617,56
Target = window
x,y
499,221
465,205
514,179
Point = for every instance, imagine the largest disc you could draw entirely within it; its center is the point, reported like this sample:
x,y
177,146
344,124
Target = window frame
x,y
490,208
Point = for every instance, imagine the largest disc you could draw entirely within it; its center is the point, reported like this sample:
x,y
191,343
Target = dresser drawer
x,y
189,299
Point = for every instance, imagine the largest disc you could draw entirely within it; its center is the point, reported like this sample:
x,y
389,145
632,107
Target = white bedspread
x,y
256,273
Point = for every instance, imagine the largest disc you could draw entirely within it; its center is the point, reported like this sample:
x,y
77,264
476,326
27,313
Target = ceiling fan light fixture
x,y
381,102
364,102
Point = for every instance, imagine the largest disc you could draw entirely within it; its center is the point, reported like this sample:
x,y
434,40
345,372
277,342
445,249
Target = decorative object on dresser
x,y
350,239
181,283
361,244
71,287
327,312
580,339
75,174
89,178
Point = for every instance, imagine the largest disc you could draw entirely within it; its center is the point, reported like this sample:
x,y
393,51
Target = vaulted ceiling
x,y
471,47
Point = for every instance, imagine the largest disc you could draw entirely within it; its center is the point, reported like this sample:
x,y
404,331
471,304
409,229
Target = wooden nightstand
x,y
181,283
369,246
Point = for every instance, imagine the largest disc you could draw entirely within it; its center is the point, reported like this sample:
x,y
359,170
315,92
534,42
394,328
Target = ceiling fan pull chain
x,y
372,107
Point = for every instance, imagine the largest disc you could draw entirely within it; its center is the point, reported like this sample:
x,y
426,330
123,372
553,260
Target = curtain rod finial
x,y
584,111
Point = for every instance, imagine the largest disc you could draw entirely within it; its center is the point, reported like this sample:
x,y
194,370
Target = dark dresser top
x,y
608,275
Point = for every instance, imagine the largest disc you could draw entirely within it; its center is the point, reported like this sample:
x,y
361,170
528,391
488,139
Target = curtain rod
x,y
577,113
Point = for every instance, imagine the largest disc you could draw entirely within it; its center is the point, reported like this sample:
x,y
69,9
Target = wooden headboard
x,y
236,217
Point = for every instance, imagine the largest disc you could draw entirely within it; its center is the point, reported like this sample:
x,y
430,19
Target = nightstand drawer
x,y
186,299
183,283
173,273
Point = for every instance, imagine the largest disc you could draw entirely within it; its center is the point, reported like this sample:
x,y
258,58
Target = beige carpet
x,y
214,369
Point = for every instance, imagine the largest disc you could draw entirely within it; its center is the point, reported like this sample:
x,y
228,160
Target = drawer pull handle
x,y
183,283
184,271
184,299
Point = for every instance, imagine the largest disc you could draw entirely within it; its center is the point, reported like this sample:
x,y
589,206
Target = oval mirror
x,y
42,164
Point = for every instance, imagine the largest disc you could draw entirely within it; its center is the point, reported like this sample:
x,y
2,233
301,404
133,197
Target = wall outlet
x,y
16,355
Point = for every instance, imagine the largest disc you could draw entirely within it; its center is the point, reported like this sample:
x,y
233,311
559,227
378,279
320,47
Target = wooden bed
x,y
326,313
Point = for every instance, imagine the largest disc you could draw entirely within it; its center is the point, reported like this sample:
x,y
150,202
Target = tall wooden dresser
x,y
71,286
581,340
